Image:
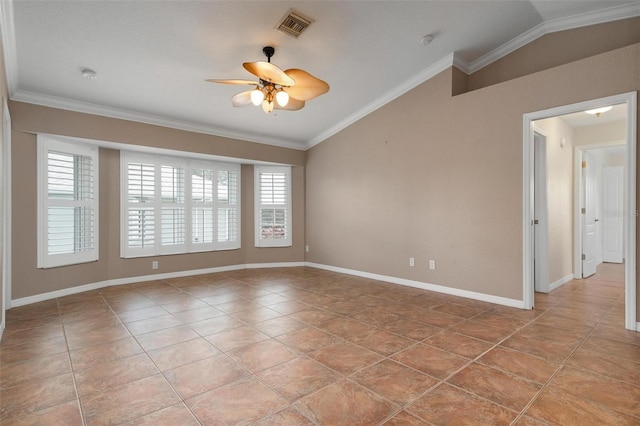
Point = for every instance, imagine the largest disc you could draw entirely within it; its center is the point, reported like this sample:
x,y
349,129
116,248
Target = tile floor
x,y
303,346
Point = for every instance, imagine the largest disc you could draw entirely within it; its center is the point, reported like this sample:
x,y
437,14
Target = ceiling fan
x,y
276,89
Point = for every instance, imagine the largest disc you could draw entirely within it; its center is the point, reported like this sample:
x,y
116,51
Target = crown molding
x,y
561,24
454,59
442,65
156,120
7,32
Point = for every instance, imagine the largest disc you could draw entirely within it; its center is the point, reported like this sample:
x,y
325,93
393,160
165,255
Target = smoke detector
x,y
293,23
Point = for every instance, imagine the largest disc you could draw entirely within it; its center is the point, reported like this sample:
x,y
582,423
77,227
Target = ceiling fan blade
x,y
307,86
269,72
241,99
292,105
233,81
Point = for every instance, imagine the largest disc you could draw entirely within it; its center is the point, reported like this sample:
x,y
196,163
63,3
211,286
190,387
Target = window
x,y
67,203
273,206
173,205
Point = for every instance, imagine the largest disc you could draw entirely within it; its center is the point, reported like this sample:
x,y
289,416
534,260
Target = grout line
x,y
71,367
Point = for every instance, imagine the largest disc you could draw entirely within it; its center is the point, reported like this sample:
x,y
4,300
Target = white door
x,y
612,207
589,215
541,215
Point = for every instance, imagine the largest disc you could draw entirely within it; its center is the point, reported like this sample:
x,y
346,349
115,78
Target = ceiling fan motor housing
x,y
268,52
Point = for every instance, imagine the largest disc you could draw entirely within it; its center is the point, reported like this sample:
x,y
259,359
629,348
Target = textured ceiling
x,y
152,58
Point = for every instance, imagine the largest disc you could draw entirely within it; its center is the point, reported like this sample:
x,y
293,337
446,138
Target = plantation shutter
x,y
68,200
273,202
172,211
228,224
140,206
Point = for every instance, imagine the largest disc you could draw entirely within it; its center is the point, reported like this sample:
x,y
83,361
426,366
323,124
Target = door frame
x,y
6,207
630,99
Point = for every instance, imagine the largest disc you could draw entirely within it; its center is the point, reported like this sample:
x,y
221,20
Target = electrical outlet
x,y
432,264
412,262
154,264
306,248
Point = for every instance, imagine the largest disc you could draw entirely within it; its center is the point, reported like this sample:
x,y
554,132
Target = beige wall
x,y
436,176
559,196
558,48
601,133
28,119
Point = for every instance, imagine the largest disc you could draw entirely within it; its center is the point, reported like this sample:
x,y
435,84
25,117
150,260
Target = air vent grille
x,y
293,23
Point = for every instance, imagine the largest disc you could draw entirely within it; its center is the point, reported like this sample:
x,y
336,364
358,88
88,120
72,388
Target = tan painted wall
x,y
559,196
28,119
435,176
601,133
558,48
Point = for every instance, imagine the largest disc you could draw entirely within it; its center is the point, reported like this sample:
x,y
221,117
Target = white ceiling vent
x,y
293,23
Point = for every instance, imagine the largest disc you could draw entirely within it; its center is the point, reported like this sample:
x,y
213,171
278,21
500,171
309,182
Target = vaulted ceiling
x,y
152,58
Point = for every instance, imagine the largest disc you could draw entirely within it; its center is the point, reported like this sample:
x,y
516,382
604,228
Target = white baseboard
x,y
394,280
514,303
560,282
130,280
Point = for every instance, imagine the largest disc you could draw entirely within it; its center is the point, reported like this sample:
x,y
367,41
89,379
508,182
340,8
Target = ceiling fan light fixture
x,y
267,106
598,111
257,96
282,98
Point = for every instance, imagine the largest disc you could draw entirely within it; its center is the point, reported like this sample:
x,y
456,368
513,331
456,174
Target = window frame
x,y
258,206
46,144
188,206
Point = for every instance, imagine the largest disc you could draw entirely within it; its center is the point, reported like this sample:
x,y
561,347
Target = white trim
x,y
7,30
514,303
561,24
274,265
152,150
430,72
560,282
131,280
630,219
180,274
630,100
156,120
7,232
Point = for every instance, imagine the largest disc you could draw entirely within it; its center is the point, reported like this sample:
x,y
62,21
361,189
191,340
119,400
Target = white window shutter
x,y
177,205
273,206
67,203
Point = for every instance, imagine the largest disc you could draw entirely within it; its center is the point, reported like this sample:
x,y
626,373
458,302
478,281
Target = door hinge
x,y
583,210
584,164
584,257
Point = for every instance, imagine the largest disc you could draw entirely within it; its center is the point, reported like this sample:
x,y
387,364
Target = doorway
x,y
628,101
